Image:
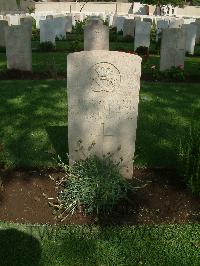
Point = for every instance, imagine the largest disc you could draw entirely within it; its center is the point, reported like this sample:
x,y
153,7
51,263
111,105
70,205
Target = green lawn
x,y
33,125
57,62
83,245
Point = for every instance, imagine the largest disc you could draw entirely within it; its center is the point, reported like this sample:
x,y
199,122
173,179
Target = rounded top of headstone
x,y
94,21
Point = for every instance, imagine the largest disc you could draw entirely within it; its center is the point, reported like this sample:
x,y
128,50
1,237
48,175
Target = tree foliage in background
x,y
179,3
196,2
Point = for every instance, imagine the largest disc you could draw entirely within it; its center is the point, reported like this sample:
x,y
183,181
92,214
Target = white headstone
x,y
190,31
18,48
172,48
129,27
47,31
27,22
142,34
60,27
68,23
96,36
103,97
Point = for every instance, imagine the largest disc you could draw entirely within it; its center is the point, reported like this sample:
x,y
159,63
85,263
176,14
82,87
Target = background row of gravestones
x,y
178,36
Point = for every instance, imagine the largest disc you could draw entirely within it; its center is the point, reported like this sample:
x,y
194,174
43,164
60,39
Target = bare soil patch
x,y
164,200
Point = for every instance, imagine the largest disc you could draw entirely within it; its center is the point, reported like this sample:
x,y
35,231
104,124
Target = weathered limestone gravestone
x,y
103,97
27,22
18,48
190,31
142,34
3,26
47,31
129,27
172,48
96,36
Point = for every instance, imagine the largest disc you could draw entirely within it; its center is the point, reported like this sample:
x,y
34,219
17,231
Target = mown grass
x,y
33,125
83,245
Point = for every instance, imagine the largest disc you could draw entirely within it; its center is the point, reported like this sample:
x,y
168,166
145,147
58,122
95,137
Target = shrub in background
x,y
174,74
76,46
79,27
35,32
93,186
189,158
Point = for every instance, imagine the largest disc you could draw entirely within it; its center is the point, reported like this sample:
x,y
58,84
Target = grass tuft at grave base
x,y
95,245
33,124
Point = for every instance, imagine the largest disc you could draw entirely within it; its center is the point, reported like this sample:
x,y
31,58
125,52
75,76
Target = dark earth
x,y
163,200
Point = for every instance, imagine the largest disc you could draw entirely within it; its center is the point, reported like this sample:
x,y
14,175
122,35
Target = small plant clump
x,y
174,74
35,32
189,158
93,186
142,50
76,46
79,27
47,47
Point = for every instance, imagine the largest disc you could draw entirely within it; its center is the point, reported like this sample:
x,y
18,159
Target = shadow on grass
x,y
58,136
18,249
33,124
27,109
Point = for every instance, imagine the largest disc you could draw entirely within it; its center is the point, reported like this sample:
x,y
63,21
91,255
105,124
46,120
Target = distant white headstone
x,y
120,23
96,36
47,31
68,23
142,34
191,32
18,48
60,27
172,49
129,27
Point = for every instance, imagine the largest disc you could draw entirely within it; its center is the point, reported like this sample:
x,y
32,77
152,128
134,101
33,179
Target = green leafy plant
x,y
76,46
174,74
35,32
47,47
155,42
189,158
79,27
93,186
